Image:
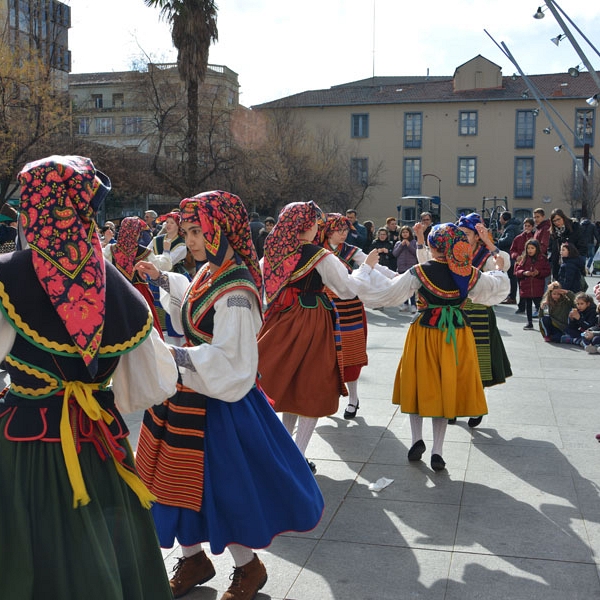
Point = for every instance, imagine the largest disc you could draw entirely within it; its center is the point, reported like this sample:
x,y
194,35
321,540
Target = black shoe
x,y
528,326
519,311
312,466
452,421
416,451
350,411
437,462
474,421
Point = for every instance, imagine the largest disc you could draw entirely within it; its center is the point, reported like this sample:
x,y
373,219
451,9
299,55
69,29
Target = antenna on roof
x,y
374,2
427,72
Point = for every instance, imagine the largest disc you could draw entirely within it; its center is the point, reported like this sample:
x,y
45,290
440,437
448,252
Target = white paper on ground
x,y
381,483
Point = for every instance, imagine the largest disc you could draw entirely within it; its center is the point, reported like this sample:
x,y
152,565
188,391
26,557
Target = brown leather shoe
x,y
246,581
191,571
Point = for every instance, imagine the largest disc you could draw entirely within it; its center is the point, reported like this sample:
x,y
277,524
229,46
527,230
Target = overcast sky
x,y
281,47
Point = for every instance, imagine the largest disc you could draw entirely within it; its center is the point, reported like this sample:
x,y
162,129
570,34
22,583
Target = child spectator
x,y
590,338
405,252
581,318
531,270
517,249
554,312
572,268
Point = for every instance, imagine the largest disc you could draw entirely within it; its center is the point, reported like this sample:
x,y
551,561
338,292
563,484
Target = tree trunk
x,y
192,133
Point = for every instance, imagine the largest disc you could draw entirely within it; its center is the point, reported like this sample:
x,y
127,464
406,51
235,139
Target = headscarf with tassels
x,y
224,221
59,198
283,248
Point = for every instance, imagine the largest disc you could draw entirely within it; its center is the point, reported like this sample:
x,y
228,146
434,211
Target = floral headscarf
x,y
332,222
59,197
224,221
453,243
172,215
282,246
125,250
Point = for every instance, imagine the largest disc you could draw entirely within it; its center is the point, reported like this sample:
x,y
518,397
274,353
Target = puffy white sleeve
x,y
145,376
490,263
172,296
225,369
360,258
166,260
107,251
7,337
492,288
423,254
336,277
375,289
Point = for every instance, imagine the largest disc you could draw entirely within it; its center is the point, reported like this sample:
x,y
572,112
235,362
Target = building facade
x,y
473,136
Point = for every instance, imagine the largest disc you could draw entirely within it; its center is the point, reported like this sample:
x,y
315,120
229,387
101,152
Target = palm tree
x,y
193,30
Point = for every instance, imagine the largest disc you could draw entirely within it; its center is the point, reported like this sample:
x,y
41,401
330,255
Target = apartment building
x,y
41,26
468,137
145,110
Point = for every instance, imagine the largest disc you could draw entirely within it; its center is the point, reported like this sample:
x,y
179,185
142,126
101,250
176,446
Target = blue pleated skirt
x,y
256,482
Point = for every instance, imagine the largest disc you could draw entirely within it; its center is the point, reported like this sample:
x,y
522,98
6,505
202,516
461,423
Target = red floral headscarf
x,y
282,246
224,221
454,244
126,248
333,222
59,197
172,215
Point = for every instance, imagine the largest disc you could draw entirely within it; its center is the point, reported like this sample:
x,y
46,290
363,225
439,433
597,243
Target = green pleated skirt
x,y
105,550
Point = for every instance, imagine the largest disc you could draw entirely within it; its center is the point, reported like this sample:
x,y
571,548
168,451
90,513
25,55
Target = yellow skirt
x,y
435,380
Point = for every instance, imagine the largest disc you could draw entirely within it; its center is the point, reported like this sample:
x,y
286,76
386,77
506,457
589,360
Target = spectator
x,y
554,312
571,272
588,235
358,233
370,227
531,270
542,229
581,318
563,230
517,249
154,227
262,236
510,229
427,221
391,224
255,226
384,248
405,252
591,336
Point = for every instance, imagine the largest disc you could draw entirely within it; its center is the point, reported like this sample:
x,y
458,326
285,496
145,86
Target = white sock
x,y
416,428
188,551
352,392
306,426
241,554
289,421
439,425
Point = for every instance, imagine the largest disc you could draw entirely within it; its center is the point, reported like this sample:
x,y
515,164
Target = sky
x,y
282,47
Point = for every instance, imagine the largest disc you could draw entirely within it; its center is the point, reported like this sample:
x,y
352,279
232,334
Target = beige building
x,y
475,135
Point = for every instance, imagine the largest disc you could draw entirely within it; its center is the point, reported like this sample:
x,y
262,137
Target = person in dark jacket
x,y
384,248
262,236
588,237
510,229
517,248
581,318
571,269
563,230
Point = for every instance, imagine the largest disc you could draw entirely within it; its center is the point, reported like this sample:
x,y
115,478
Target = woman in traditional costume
x,y
438,375
74,521
170,251
494,365
222,466
353,321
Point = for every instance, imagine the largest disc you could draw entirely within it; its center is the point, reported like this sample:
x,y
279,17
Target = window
x,y
359,170
584,127
97,100
523,177
525,128
413,130
467,122
409,214
105,126
118,101
83,126
411,184
360,126
132,125
467,171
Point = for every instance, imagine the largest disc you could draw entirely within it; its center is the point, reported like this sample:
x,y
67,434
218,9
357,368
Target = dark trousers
x,y
513,280
528,308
